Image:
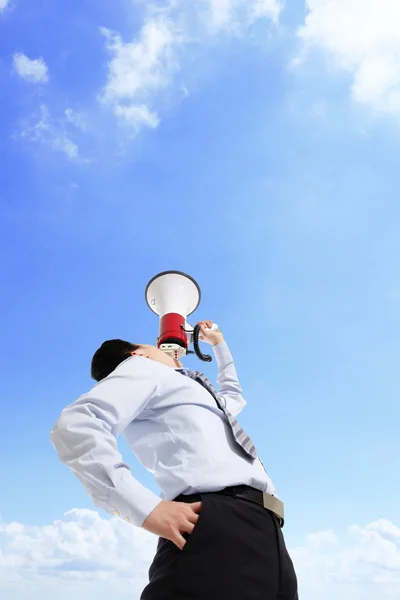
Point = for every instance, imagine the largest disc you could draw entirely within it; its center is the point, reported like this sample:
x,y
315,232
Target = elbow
x,y
57,433
56,427
241,404
73,417
65,433
63,421
77,430
235,403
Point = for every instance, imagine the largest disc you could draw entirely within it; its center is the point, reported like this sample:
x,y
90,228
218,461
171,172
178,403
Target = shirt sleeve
x,y
230,391
85,437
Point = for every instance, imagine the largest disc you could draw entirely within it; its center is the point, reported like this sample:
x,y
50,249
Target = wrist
x,y
218,340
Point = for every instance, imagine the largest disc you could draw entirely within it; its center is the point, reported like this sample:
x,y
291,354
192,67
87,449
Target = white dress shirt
x,y
173,426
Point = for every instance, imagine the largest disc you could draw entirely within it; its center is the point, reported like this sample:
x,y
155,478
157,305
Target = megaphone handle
x,y
204,357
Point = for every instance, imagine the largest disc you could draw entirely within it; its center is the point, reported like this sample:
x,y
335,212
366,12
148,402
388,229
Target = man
x,y
219,536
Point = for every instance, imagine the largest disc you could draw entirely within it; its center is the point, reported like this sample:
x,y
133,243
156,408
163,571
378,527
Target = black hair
x,y
110,354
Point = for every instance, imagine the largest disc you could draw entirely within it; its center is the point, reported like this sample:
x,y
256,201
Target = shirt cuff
x,y
222,354
137,513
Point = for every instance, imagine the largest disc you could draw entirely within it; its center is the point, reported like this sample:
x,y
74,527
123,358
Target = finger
x,y
193,518
189,527
179,541
196,506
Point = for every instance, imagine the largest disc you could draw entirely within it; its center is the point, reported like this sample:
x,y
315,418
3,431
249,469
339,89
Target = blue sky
x,y
254,146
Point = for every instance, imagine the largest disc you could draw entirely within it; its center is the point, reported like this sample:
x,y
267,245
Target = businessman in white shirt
x,y
218,520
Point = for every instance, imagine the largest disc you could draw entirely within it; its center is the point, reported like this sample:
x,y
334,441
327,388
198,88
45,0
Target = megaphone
x,y
173,296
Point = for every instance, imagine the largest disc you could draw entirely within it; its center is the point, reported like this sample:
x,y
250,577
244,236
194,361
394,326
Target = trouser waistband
x,y
246,493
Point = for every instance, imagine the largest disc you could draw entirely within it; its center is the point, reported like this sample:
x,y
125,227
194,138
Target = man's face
x,y
154,353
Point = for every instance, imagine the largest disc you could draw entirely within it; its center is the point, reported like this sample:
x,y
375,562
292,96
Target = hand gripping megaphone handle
x,y
193,337
199,354
213,328
189,330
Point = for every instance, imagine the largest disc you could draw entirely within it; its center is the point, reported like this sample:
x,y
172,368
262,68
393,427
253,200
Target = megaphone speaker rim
x,y
175,273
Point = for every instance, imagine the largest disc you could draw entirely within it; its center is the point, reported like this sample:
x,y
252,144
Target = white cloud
x,y
140,71
266,8
3,4
34,70
63,144
360,38
364,565
143,65
82,555
43,129
137,116
76,119
321,539
236,15
88,556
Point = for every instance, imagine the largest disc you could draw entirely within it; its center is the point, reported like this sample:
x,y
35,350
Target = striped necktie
x,y
239,435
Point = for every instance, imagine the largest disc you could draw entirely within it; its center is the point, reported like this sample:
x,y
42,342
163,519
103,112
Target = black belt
x,y
245,492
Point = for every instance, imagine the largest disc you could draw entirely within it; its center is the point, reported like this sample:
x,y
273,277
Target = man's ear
x,y
139,352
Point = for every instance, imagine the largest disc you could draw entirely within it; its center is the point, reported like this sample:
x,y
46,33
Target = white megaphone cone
x,y
173,296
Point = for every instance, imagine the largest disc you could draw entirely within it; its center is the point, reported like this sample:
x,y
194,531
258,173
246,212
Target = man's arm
x,y
230,391
85,437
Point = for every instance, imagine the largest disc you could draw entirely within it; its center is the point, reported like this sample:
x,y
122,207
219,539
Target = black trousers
x,y
235,552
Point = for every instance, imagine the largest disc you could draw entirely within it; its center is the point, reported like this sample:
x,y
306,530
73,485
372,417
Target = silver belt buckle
x,y
274,505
